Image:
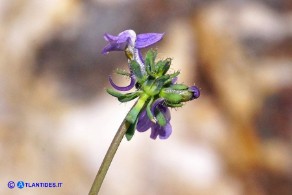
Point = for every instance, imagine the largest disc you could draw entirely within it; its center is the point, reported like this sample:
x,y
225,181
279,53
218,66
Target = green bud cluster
x,y
152,82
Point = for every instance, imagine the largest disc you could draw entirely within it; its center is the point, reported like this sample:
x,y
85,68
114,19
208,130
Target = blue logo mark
x,y
20,184
11,184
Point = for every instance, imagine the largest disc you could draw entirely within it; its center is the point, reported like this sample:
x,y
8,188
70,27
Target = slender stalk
x,y
108,158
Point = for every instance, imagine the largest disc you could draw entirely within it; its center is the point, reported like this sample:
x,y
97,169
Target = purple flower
x,y
144,123
131,43
120,42
128,38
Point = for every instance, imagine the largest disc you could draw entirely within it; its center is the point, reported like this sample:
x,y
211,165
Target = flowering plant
x,y
156,90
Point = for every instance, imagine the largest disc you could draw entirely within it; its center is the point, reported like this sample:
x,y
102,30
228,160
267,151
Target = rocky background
x,y
56,120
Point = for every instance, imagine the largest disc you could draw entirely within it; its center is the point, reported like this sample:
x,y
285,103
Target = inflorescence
x,y
156,89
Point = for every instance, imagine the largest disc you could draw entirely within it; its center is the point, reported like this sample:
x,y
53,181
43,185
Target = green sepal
x,y
131,130
176,94
171,76
163,79
134,112
162,67
123,97
179,87
175,74
186,95
148,109
150,62
148,86
161,120
132,116
153,87
128,96
174,105
160,82
114,92
170,95
136,69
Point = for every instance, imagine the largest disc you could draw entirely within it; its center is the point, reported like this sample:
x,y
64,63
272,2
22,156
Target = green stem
x,y
108,158
134,112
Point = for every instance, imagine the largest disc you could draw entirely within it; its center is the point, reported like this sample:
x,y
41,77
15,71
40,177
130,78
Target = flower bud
x,y
179,93
196,92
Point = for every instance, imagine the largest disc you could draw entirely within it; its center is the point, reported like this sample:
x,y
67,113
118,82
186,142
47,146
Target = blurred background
x,y
57,121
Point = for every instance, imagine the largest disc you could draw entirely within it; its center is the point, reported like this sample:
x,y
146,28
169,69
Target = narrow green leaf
x,y
114,93
175,74
129,96
150,62
123,97
162,67
148,109
131,130
171,76
159,83
134,112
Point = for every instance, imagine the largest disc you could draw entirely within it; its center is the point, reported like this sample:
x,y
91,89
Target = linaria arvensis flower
x,y
156,89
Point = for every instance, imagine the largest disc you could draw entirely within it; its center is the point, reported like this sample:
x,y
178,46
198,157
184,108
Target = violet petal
x,y
165,111
120,42
113,46
109,37
147,39
140,56
126,88
143,122
128,36
196,92
156,103
154,131
165,132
